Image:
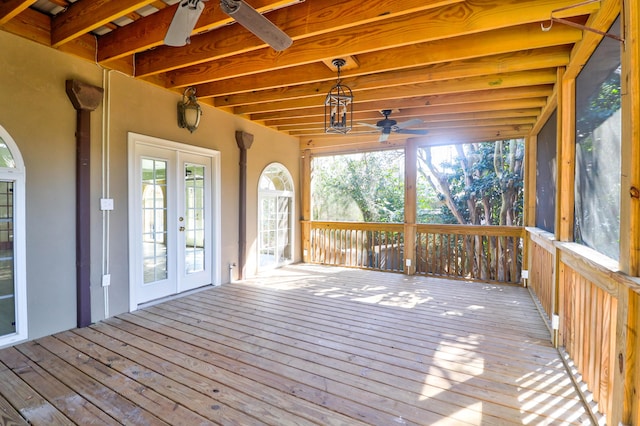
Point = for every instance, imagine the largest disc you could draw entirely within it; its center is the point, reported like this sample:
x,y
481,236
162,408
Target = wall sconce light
x,y
338,105
189,111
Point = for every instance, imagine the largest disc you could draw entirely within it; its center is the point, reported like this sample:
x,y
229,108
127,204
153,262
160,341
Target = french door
x,y
172,242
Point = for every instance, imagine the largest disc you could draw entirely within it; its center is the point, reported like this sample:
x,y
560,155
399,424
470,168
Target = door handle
x,y
181,228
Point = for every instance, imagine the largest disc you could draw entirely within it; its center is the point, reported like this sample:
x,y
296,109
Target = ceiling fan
x,y
188,12
388,125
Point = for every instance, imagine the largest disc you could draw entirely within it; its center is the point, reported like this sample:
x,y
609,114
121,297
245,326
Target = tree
x,y
481,186
373,182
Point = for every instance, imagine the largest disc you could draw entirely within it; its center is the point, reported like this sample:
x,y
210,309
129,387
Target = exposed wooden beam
x,y
602,20
457,122
87,15
478,126
515,79
503,41
422,113
438,24
354,143
511,62
9,9
149,32
309,19
401,103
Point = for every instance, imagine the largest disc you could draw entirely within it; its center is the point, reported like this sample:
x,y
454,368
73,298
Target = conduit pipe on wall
x,y
244,141
106,176
85,99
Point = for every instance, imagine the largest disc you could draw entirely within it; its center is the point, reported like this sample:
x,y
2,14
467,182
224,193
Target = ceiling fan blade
x,y
413,131
386,131
183,23
409,123
369,125
253,21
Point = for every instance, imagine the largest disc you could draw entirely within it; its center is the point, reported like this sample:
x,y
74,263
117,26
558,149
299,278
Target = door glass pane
x,y
154,220
194,224
268,231
284,230
7,284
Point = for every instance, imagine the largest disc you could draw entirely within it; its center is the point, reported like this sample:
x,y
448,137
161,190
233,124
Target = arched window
x,y
13,285
275,217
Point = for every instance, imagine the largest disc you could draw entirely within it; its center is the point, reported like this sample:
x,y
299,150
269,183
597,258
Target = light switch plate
x,y
106,203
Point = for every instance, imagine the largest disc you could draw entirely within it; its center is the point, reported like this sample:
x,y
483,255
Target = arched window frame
x,y
17,175
288,191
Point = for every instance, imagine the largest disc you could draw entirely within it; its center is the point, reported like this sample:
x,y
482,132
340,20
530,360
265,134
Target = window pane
x,y
6,158
598,128
7,283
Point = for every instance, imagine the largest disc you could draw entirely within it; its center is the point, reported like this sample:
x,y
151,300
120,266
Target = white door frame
x,y
17,175
137,140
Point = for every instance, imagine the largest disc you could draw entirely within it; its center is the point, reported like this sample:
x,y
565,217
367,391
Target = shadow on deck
x,y
303,345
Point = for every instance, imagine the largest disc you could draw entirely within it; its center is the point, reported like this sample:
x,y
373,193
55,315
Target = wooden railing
x,y
377,246
484,253
541,271
596,310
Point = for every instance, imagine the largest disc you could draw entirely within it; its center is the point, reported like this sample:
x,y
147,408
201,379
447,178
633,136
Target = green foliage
x,y
367,186
598,109
480,184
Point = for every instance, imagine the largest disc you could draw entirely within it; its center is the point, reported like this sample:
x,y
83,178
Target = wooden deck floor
x,y
306,345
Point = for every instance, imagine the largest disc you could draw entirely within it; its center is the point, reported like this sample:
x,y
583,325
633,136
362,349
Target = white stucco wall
x,y
36,111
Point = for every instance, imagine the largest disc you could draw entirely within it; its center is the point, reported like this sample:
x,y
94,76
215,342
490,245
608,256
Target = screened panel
x,y
546,175
598,131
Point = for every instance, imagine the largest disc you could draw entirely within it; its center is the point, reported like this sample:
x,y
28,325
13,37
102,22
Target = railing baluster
x,y
486,253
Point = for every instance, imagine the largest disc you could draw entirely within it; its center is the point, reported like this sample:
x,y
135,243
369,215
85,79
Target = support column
x,y
305,171
410,205
628,390
566,153
244,141
85,98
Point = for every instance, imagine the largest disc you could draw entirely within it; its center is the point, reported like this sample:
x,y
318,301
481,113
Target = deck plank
x,y
8,414
70,403
188,357
298,334
108,400
302,345
32,407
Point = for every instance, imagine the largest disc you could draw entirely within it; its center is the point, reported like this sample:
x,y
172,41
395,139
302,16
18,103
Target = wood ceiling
x,y
471,70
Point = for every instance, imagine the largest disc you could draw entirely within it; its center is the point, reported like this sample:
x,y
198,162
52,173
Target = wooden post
x,y
305,171
410,205
244,141
531,159
565,172
85,98
618,398
630,201
566,153
630,149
